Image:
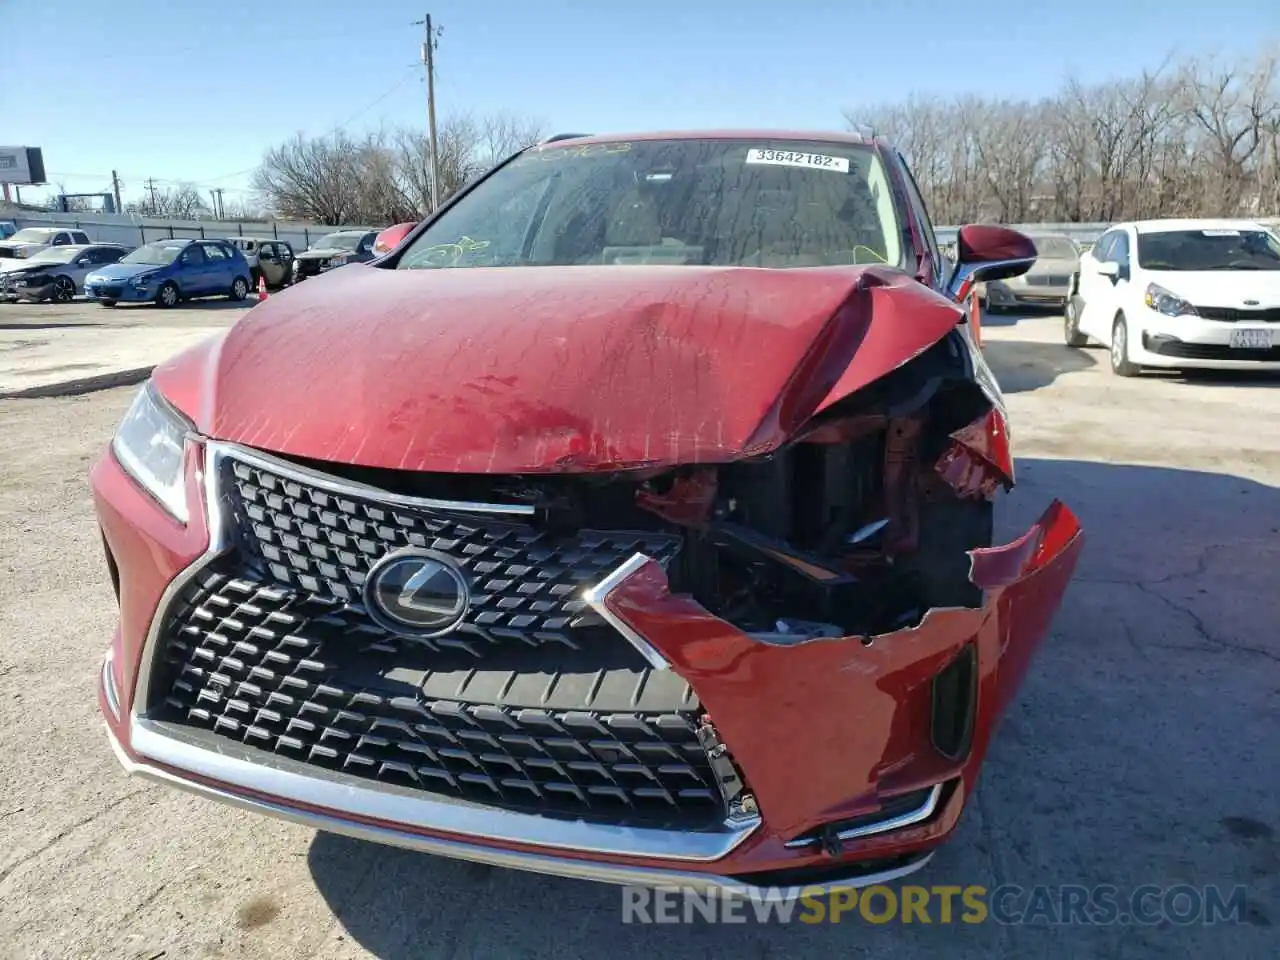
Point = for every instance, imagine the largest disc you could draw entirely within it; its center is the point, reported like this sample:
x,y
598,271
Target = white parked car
x,y
31,240
1187,294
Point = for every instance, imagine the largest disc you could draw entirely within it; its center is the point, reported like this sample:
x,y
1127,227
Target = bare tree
x,y
385,177
183,202
1191,139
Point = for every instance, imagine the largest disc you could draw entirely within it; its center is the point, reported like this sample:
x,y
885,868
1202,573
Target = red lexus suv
x,y
631,520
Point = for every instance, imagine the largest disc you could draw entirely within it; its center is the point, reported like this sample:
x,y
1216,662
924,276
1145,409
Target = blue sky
x,y
195,91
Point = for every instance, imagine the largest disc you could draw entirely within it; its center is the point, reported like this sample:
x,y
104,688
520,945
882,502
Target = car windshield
x,y
765,203
1225,249
156,254
1055,248
56,255
33,235
339,241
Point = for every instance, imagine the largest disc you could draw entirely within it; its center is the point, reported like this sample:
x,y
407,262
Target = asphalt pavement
x,y
1142,750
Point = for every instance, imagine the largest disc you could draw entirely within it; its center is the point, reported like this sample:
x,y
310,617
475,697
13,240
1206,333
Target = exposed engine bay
x,y
852,527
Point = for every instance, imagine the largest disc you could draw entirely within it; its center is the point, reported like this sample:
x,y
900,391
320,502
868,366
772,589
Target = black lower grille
x,y
1169,347
109,292
599,736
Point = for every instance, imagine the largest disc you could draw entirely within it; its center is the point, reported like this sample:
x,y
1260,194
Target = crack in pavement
x,y
62,834
1201,568
1217,643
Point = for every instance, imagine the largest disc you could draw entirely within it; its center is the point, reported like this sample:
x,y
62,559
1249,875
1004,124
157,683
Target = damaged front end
x,y
780,665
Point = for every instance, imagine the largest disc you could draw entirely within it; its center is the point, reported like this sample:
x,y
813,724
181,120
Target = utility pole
x,y
115,188
219,212
151,185
428,61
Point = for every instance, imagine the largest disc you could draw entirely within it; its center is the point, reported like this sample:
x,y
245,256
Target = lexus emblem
x,y
1251,303
417,593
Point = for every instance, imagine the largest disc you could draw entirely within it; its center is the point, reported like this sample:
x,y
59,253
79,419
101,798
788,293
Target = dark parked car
x,y
336,250
631,522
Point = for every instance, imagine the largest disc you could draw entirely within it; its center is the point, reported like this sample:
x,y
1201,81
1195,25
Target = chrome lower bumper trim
x,y
896,822
292,782
509,859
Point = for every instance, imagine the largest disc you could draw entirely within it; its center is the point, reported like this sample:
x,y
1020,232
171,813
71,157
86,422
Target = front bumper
x,y
1191,342
1002,294
826,732
122,292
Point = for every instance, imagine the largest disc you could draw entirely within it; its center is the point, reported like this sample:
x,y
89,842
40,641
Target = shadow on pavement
x,y
1140,752
1023,365
1010,317
47,325
211,304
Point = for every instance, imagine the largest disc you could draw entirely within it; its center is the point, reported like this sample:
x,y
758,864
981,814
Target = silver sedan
x,y
57,273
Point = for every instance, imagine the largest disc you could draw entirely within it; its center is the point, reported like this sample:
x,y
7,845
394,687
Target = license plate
x,y
1251,339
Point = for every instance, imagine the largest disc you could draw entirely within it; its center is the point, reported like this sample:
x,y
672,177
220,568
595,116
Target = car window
x,y
767,203
215,252
61,240
1055,248
1102,249
193,256
1224,249
32,235
1120,248
80,236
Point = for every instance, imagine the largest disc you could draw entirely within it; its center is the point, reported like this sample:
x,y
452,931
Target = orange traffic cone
x,y
262,288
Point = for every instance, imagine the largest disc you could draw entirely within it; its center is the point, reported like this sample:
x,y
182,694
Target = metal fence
x,y
134,231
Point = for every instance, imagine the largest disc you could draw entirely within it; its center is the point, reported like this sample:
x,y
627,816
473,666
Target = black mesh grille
x,y
525,582
1240,314
602,737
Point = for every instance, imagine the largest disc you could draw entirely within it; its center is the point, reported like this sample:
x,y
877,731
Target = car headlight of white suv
x,y
1167,302
149,444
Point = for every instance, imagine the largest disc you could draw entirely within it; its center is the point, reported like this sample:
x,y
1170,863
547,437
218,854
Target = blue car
x,y
169,271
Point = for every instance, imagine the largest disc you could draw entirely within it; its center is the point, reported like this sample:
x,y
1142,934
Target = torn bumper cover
x,y
847,760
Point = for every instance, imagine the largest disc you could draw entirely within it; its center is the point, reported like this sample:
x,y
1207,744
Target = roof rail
x,y
566,136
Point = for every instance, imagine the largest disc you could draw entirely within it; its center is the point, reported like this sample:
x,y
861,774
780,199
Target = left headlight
x,y
1167,302
149,445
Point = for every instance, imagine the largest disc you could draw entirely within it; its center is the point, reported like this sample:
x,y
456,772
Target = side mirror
x,y
1109,269
985,252
83,262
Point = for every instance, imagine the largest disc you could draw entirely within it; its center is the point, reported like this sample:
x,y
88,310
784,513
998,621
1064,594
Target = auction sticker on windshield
x,y
790,158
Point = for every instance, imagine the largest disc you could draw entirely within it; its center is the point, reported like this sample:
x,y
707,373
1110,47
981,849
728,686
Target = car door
x,y
269,264
1122,283
193,271
1095,289
88,261
219,267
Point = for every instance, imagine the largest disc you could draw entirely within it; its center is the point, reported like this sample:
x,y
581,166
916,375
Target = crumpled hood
x,y
521,370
